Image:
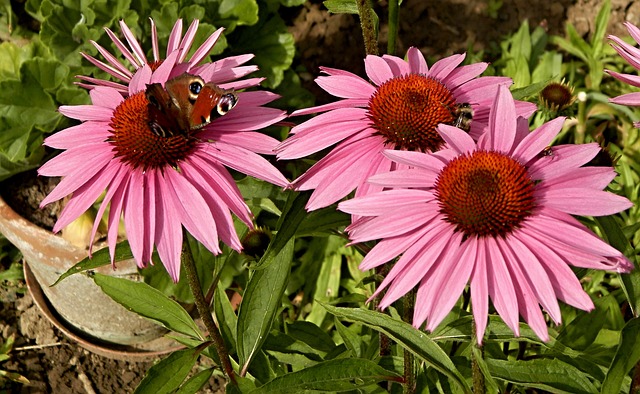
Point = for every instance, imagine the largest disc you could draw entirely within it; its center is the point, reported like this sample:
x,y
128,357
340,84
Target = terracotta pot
x,y
78,301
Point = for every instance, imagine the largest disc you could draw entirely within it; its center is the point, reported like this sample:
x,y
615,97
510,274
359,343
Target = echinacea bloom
x,y
632,55
160,184
224,72
495,214
400,109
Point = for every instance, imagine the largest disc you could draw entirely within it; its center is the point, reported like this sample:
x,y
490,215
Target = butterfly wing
x,y
212,102
166,118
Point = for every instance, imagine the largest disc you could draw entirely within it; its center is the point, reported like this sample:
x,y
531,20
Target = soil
x,y
53,364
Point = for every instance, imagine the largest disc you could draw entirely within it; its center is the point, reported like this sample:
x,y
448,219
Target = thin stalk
x,y
203,309
393,26
476,373
409,360
368,31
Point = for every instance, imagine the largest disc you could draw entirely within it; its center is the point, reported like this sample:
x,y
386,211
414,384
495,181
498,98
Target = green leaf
x,y
327,286
602,20
226,317
195,383
260,304
272,44
417,342
26,102
148,302
341,6
333,375
311,335
323,221
286,228
626,357
99,259
242,12
167,375
546,374
616,238
490,383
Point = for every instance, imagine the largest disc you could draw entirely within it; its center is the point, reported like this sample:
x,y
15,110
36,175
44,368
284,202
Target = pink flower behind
x,y
399,110
632,55
159,184
224,72
495,214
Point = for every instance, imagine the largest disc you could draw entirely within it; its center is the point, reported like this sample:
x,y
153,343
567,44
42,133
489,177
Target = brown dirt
x,y
55,365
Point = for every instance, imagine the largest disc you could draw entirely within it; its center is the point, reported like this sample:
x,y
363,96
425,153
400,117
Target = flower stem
x,y
476,373
409,360
203,308
393,27
368,31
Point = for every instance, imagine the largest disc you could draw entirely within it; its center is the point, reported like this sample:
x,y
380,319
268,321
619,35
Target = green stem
x,y
476,373
203,308
409,360
368,31
393,27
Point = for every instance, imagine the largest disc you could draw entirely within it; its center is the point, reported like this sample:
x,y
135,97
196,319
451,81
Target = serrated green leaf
x,y
98,259
546,374
627,355
148,302
273,46
196,382
26,102
167,375
417,342
261,302
333,375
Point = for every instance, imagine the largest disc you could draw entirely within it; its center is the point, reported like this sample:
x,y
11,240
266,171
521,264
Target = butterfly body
x,y
186,103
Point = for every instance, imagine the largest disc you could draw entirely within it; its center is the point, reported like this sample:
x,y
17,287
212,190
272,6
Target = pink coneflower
x,y
632,55
159,184
399,110
224,72
495,214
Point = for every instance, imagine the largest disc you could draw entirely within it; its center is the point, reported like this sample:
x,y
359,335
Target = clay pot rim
x,y
140,352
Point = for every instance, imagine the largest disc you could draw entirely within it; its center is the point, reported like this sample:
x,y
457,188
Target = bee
x,y
464,115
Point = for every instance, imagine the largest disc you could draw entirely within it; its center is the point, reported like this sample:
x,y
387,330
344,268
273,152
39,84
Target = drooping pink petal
x,y
247,162
346,86
537,140
501,286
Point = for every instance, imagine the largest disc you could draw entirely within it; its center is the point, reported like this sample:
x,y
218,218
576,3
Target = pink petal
x,y
105,97
346,103
415,159
389,248
632,99
566,158
86,133
464,74
377,69
395,223
584,202
380,203
168,233
456,139
501,287
173,43
479,286
133,207
346,86
206,47
417,62
404,178
502,120
397,65
443,67
248,163
187,40
633,80
133,44
537,140
86,112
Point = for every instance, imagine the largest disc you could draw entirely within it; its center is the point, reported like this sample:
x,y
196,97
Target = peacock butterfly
x,y
186,103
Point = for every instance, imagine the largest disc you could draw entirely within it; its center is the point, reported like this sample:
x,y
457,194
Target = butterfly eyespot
x,y
195,88
227,102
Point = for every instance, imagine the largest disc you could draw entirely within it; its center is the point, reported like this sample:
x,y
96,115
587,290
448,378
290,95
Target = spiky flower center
x,y
485,194
557,96
407,109
134,142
